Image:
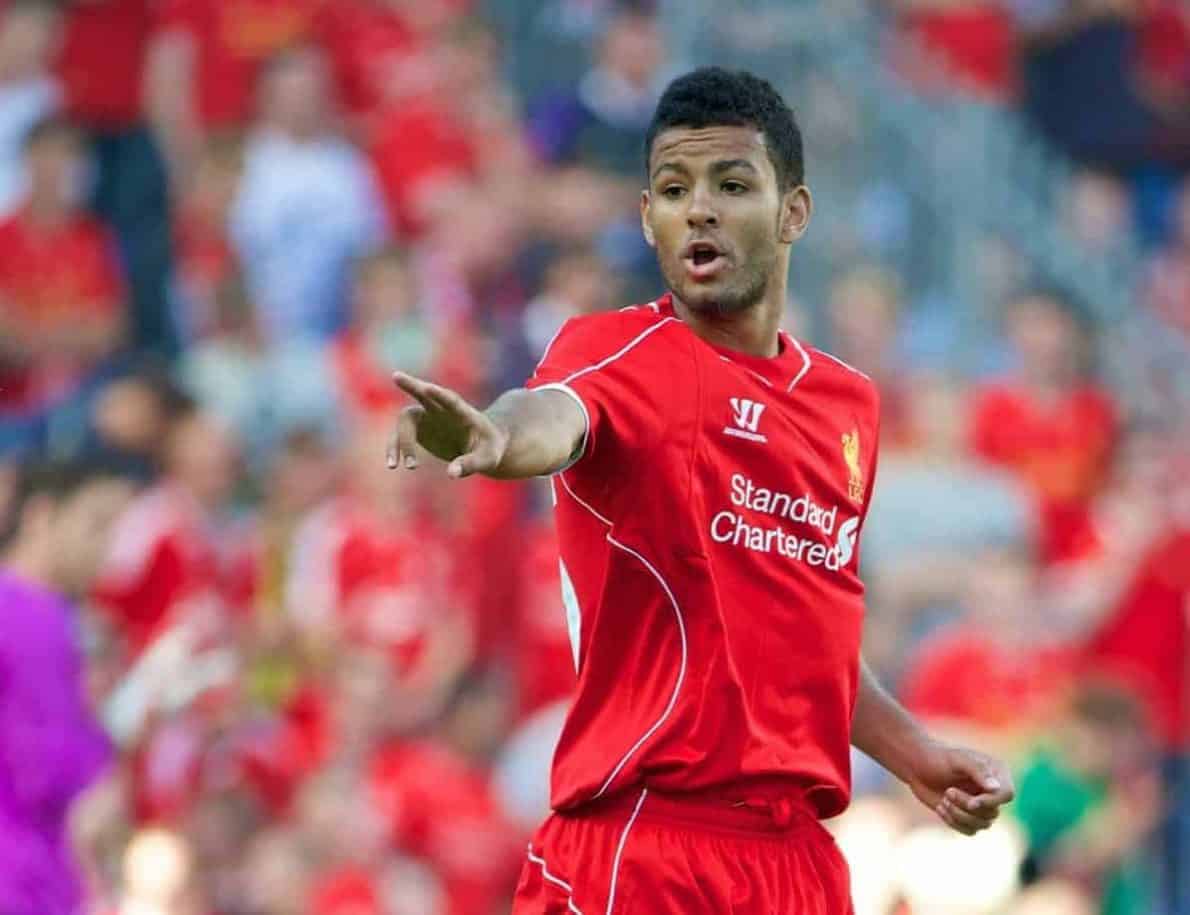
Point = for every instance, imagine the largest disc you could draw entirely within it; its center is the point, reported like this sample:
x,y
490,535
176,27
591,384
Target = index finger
x,y
413,386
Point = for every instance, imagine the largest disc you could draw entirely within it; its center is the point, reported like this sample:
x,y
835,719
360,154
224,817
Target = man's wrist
x,y
909,751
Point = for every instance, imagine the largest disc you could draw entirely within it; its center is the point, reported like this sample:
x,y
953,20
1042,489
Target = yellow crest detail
x,y
855,482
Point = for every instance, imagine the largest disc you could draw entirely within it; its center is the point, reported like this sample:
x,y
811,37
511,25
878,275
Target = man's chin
x,y
710,300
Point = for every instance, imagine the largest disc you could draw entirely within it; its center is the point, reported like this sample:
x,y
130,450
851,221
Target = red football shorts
x,y
649,854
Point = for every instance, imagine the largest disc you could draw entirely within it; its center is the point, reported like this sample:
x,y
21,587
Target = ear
x,y
644,219
796,208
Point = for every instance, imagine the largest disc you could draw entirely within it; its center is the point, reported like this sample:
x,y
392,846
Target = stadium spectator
x,y
61,290
261,392
1099,211
1079,82
101,64
204,61
307,205
386,329
600,122
863,312
28,90
1090,797
165,561
382,52
1143,643
1052,424
467,134
999,665
575,282
130,418
51,748
205,256
969,45
371,567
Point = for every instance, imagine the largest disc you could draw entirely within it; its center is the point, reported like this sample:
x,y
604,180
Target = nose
x,y
701,211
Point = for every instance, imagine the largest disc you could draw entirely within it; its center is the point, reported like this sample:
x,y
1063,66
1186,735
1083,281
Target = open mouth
x,y
703,259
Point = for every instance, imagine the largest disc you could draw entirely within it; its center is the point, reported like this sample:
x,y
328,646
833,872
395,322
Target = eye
x,y
673,192
735,187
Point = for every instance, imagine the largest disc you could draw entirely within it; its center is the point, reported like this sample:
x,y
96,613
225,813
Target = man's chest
x,y
779,475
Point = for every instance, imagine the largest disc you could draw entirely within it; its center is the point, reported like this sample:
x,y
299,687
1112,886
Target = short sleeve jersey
x,y
708,538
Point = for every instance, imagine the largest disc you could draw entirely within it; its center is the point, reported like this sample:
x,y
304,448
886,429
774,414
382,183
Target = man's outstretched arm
x,y
523,434
964,787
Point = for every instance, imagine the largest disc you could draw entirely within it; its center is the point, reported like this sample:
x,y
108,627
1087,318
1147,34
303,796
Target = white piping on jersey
x,y
566,486
681,632
611,893
805,363
796,378
550,345
627,347
582,448
545,872
850,368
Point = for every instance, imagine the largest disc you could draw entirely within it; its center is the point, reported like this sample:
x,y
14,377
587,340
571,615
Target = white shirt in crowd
x,y
305,211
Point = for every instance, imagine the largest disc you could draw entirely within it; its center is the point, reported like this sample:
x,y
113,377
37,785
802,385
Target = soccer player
x,y
711,475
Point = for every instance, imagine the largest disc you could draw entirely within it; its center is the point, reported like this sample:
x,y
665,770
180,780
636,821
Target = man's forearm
x,y
544,429
883,729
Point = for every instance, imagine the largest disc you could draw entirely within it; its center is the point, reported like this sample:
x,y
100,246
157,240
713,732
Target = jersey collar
x,y
782,371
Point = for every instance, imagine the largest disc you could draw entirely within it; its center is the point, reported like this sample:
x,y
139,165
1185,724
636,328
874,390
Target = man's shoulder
x,y
841,379
608,332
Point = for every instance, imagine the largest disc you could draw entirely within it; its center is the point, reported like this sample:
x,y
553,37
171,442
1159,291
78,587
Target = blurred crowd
x,y
334,689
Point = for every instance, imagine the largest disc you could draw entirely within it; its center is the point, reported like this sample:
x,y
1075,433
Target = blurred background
x,y
326,688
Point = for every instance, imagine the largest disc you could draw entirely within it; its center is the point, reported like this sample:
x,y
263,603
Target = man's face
x,y
57,170
296,93
715,213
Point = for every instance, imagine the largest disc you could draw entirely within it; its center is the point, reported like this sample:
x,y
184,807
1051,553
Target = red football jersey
x,y
708,533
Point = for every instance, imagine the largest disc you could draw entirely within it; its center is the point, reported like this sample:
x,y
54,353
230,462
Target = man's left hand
x,y
964,787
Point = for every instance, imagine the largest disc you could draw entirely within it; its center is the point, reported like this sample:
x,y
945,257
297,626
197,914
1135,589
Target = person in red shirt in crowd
x,y
204,59
441,808
466,130
370,567
1144,643
1051,424
974,41
711,475
545,662
999,668
61,290
205,255
386,328
101,65
165,561
382,51
1163,58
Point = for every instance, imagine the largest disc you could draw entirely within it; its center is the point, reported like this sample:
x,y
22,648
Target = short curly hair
x,y
713,96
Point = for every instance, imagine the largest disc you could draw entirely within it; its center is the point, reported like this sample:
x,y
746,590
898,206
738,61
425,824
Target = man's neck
x,y
46,215
754,331
29,564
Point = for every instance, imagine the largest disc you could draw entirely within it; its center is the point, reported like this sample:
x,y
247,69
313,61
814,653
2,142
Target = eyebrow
x,y
722,165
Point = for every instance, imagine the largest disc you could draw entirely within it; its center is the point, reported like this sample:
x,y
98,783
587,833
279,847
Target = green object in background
x,y
1053,798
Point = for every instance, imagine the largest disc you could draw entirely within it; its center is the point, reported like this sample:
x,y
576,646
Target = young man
x,y
53,531
711,475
